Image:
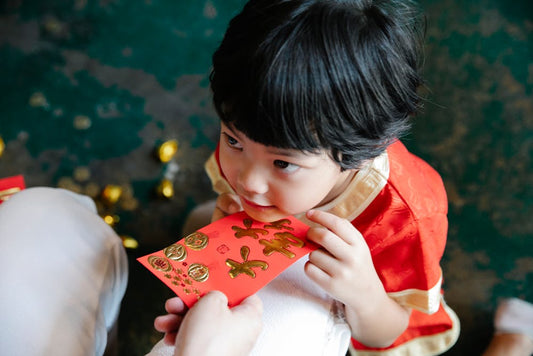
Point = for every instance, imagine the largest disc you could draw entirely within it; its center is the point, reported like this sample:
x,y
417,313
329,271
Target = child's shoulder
x,y
418,184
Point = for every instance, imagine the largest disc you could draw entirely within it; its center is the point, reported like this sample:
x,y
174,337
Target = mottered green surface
x,y
89,89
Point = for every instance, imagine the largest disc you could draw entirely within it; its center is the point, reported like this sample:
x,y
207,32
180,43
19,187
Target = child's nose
x,y
252,180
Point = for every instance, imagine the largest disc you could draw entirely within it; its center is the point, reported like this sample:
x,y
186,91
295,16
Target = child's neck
x,y
344,180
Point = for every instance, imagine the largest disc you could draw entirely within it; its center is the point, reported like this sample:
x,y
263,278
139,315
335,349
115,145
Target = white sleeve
x,y
63,273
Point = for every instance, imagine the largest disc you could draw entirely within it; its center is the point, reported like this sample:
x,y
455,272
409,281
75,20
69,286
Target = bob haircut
x,y
339,75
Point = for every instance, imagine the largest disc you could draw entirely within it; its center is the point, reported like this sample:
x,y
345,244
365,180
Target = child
x,y
313,96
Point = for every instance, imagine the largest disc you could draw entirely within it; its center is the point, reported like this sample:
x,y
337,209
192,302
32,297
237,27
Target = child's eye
x,y
286,166
232,142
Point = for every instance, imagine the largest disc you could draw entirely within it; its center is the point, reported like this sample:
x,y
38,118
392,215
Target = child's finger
x,y
218,214
317,275
330,242
324,261
228,203
341,227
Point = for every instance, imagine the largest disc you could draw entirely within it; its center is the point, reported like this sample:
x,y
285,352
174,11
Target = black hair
x,y
340,75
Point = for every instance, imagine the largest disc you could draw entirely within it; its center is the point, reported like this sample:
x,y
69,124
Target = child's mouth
x,y
255,206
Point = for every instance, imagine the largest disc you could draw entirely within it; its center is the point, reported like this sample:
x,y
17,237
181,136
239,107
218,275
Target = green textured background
x,y
115,78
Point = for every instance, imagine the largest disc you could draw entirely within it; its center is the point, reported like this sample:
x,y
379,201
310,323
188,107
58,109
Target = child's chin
x,y
266,216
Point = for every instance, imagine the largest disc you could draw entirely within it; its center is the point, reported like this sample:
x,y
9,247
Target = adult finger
x,y
252,306
167,323
170,338
175,306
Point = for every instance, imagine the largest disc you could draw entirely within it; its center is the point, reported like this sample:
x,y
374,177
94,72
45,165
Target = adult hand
x,y
212,328
170,323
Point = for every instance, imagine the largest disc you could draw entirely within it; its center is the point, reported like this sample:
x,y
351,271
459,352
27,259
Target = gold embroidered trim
x,y
426,345
361,191
220,185
6,194
425,301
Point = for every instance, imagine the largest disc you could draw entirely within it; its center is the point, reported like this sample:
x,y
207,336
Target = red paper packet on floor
x,y
10,186
235,255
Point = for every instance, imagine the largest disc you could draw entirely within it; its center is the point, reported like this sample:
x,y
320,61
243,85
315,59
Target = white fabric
x,y
63,273
299,319
514,316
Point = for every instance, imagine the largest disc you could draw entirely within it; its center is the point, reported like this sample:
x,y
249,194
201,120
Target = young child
x,y
313,96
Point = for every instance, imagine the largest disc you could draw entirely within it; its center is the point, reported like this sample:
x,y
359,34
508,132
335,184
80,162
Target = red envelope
x,y
10,186
235,255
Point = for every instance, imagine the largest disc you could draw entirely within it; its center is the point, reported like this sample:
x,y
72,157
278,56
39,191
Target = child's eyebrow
x,y
232,130
285,152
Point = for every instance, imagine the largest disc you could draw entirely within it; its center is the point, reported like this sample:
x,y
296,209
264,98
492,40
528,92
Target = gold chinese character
x,y
280,243
280,225
249,231
246,266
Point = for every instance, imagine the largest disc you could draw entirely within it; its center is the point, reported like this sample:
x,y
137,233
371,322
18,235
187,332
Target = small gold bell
x,y
167,150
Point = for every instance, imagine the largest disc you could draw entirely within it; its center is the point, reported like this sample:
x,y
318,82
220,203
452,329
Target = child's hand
x,y
170,323
343,266
227,204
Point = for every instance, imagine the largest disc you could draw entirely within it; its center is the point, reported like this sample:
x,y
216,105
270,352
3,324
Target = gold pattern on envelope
x,y
245,266
160,263
196,241
176,252
198,272
280,243
280,225
248,231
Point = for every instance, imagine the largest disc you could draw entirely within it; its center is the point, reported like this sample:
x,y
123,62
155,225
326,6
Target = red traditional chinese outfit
x,y
399,205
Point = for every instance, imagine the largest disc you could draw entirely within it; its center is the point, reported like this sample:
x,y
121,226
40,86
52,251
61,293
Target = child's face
x,y
273,183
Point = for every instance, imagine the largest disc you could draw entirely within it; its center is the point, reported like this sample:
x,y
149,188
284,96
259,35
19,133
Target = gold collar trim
x,y
361,191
